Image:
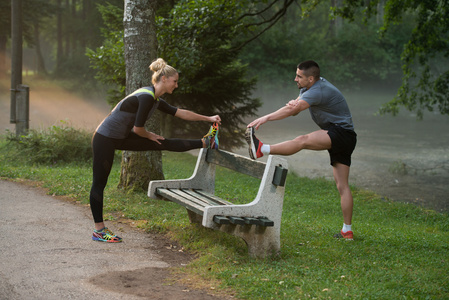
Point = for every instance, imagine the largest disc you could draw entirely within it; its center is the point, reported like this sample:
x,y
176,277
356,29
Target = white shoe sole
x,y
249,139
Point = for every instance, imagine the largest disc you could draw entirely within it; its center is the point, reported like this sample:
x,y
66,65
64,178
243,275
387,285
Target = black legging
x,y
103,152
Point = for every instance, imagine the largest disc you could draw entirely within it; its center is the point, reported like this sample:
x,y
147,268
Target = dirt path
x,y
47,253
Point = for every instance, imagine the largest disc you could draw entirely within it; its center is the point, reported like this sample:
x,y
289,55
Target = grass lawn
x,y
400,251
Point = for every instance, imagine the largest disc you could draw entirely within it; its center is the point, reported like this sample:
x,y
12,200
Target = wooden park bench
x,y
258,223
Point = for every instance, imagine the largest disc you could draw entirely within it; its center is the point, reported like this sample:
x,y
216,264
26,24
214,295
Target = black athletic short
x,y
343,144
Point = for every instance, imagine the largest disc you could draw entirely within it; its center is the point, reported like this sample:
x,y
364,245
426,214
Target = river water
x,y
399,158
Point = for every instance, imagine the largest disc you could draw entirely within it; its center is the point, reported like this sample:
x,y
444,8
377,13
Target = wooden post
x,y
16,53
22,110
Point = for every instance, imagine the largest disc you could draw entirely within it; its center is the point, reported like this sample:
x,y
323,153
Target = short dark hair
x,y
310,68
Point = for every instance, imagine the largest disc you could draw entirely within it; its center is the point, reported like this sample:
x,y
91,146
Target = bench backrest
x,y
236,162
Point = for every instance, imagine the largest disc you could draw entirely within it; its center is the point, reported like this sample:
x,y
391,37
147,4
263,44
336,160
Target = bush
x,y
53,145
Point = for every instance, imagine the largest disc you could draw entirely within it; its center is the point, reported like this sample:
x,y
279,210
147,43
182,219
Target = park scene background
x,y
402,158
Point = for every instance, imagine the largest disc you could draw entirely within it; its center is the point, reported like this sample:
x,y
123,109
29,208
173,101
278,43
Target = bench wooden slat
x,y
181,200
221,220
236,220
237,163
195,198
213,197
252,221
266,222
262,221
207,200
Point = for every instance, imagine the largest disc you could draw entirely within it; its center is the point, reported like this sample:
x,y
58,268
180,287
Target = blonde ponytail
x,y
161,68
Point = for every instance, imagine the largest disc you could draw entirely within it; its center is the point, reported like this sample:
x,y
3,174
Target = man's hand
x,y
296,106
293,103
256,123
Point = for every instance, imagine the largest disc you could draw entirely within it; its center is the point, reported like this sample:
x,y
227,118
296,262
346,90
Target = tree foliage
x,y
34,12
350,55
108,60
274,35
389,43
425,81
63,29
201,39
197,39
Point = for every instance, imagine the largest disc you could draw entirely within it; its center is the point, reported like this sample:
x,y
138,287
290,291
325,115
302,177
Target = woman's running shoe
x,y
105,235
254,143
211,138
213,130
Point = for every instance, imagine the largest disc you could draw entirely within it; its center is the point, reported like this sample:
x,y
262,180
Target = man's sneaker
x,y
211,138
348,235
254,143
105,235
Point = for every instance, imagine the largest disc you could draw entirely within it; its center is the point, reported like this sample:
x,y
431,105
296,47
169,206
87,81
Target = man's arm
x,y
292,108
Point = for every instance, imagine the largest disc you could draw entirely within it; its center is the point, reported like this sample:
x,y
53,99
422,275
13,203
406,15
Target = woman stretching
x,y
123,129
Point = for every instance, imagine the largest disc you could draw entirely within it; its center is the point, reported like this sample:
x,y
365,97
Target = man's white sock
x,y
346,228
265,149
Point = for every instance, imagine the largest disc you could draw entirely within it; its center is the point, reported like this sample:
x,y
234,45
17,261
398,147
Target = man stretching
x,y
330,112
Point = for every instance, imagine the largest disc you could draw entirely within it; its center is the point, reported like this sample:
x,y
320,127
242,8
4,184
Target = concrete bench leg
x,y
194,217
261,241
263,244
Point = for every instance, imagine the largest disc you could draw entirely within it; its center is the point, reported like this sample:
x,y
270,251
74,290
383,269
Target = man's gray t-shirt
x,y
327,105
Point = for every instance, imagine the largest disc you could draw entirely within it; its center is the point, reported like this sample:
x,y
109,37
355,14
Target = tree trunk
x,y
86,6
380,12
66,30
73,31
336,24
59,37
139,168
41,70
3,71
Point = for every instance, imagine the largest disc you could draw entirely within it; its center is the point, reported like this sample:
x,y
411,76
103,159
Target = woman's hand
x,y
215,119
155,137
141,131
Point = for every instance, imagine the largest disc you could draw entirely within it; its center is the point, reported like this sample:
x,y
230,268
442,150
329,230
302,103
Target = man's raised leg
x,y
317,140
